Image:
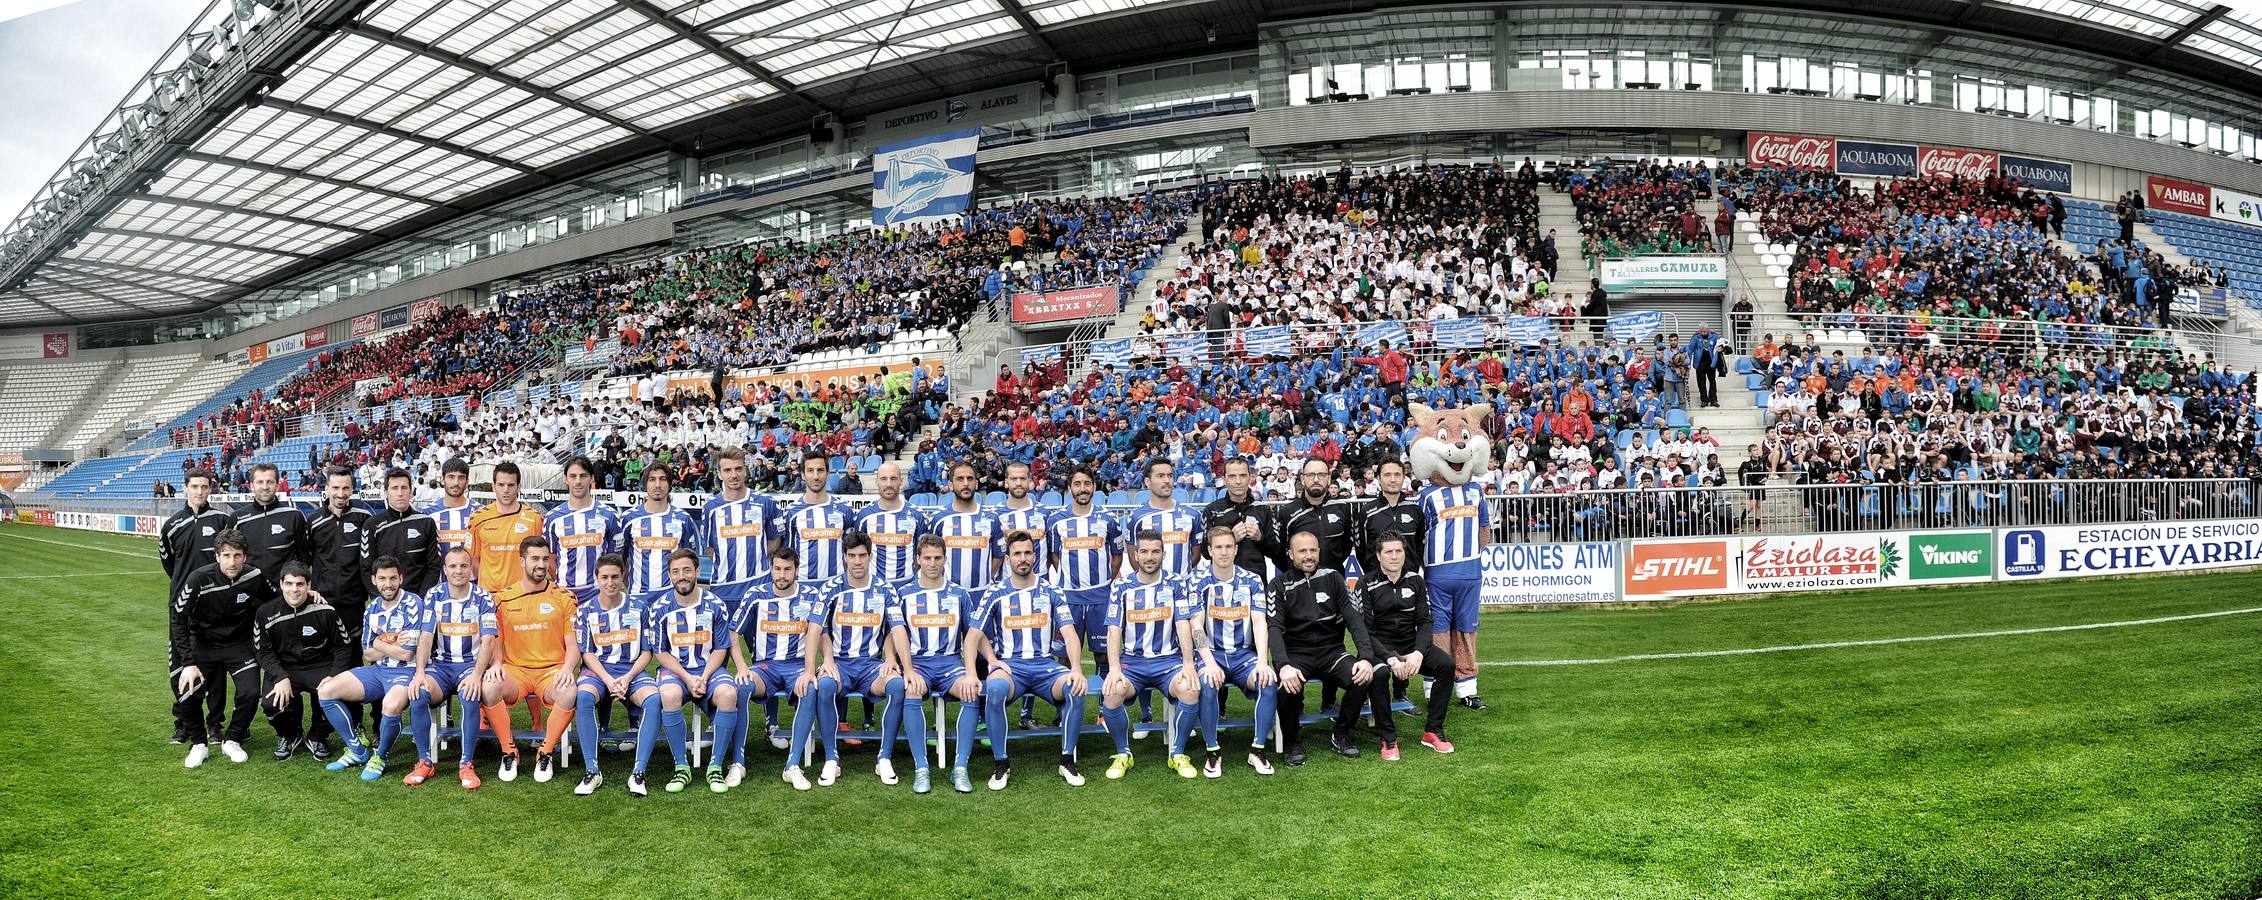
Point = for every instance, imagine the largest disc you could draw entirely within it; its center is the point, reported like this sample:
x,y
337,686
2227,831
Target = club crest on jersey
x,y
347,527
546,609
1319,597
519,528
208,531
275,529
306,631
1334,519
243,598
413,534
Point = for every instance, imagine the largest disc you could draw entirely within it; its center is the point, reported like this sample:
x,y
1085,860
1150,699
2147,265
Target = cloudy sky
x,y
63,66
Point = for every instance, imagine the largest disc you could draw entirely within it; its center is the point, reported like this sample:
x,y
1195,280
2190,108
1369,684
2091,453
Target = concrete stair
x,y
1558,214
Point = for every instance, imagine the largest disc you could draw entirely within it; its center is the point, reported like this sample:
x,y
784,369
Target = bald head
x,y
890,478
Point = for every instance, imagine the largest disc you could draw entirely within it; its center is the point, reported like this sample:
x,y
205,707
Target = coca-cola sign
x,y
1797,151
1954,163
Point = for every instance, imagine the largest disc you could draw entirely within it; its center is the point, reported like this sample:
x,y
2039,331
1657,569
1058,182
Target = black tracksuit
x,y
1310,615
304,644
210,628
1383,518
277,534
1336,522
411,537
184,542
340,574
184,545
1228,512
1398,618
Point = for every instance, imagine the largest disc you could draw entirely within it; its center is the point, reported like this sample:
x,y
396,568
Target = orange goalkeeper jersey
x,y
495,536
534,625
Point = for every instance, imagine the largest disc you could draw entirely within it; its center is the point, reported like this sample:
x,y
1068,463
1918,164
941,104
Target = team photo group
x,y
348,628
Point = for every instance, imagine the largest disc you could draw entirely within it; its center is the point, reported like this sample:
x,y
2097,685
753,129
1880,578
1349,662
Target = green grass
x,y
2101,763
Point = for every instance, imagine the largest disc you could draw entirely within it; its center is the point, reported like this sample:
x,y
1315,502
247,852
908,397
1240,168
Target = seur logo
x,y
2023,552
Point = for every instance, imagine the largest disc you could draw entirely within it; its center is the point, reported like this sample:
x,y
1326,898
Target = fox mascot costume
x,y
1448,452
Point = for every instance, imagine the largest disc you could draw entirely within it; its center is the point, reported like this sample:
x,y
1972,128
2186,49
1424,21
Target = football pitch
x,y
2019,759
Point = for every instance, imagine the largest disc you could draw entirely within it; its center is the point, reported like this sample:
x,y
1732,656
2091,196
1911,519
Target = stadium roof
x,y
284,139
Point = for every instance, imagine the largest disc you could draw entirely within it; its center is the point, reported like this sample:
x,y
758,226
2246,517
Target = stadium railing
x,y
1623,513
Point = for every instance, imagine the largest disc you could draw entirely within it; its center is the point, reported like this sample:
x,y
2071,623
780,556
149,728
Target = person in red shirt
x,y
1393,366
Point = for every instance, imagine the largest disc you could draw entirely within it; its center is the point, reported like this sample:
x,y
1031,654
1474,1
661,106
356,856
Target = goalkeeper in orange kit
x,y
540,655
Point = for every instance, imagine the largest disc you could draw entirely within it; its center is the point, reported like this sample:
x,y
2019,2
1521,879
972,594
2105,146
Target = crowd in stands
x,y
1590,436
1396,244
1973,412
1635,209
1946,248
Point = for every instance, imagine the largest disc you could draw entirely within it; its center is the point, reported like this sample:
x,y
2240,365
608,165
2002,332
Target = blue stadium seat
x,y
1676,418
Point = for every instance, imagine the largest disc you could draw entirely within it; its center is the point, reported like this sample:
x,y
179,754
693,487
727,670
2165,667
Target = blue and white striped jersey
x,y
454,523
648,538
895,540
611,638
1022,622
856,618
1458,518
1181,529
1083,549
1228,602
687,633
1032,519
937,617
1148,614
773,626
577,538
815,530
456,626
736,535
398,623
970,541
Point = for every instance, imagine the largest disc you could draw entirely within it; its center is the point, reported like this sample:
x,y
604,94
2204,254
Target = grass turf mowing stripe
x,y
1874,642
75,545
73,575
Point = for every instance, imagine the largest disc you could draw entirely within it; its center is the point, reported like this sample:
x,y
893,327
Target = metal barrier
x,y
1797,509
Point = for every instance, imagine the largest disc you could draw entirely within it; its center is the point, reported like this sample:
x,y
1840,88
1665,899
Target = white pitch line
x,y
1875,642
26,537
73,575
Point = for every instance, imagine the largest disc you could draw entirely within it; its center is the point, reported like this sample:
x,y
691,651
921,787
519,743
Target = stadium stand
x,y
36,398
143,379
203,422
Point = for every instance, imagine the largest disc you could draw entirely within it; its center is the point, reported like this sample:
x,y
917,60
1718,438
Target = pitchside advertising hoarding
x,y
1666,274
2070,550
1064,306
1660,569
1527,574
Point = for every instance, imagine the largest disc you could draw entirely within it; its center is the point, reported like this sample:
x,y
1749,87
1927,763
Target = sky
x,y
62,69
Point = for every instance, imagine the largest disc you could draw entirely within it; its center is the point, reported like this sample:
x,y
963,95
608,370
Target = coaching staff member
x,y
1240,511
1333,522
298,642
1396,603
1393,513
336,532
209,648
403,534
184,545
1312,608
274,530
